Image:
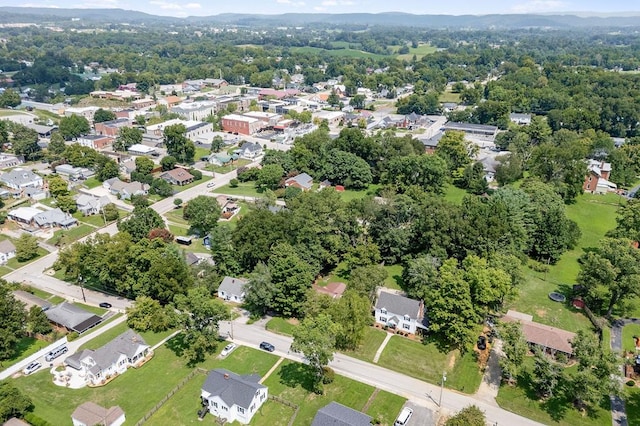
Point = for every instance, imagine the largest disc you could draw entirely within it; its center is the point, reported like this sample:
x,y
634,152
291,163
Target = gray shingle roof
x,y
398,305
336,414
128,344
232,285
7,246
72,317
302,179
232,388
19,177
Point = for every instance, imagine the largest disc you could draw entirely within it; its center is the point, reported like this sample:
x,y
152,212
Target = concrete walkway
x,y
272,369
618,409
163,341
381,348
490,385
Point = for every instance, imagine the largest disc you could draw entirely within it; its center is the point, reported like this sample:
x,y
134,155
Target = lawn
x,y
25,347
182,407
595,215
342,53
282,325
178,188
95,220
196,243
93,309
423,49
394,277
4,271
101,340
373,338
67,236
136,391
245,189
628,332
454,194
292,382
632,404
14,264
175,216
427,362
351,194
241,162
92,182
522,400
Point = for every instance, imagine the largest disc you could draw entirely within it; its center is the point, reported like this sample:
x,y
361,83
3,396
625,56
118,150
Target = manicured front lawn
x,y
522,400
179,188
245,189
351,194
136,391
385,406
175,216
182,407
66,236
92,182
427,362
282,325
93,309
96,220
101,340
26,346
373,338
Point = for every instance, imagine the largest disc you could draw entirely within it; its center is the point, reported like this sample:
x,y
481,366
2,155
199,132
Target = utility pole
x,y
444,379
82,288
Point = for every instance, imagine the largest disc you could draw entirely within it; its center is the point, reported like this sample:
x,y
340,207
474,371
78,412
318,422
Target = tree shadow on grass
x,y
632,403
295,374
177,344
556,406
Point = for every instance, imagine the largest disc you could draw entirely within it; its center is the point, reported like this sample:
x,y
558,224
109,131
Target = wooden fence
x,y
288,404
169,395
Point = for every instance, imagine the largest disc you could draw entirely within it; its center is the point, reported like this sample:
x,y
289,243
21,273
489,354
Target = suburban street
x,y
417,391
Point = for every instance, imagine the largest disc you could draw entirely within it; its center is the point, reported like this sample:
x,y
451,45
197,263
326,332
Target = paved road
x,y
417,391
618,409
34,274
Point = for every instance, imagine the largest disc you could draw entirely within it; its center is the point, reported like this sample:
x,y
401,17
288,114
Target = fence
x,y
597,323
169,395
288,404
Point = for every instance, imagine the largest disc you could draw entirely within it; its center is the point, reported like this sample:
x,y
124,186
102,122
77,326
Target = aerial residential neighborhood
x,y
320,214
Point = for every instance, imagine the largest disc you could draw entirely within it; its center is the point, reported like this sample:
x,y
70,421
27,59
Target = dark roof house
x,y
336,414
232,388
72,317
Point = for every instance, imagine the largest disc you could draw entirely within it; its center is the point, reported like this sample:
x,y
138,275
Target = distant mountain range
x,y
115,16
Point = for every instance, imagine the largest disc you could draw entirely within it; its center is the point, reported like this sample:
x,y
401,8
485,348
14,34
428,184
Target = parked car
x,y
34,366
211,184
105,305
482,343
267,346
403,417
228,349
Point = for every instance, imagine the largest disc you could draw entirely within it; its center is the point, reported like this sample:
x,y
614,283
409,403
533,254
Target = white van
x,y
404,417
56,353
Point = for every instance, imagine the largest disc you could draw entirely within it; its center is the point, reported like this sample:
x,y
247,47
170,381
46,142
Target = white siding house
x,y
399,312
233,397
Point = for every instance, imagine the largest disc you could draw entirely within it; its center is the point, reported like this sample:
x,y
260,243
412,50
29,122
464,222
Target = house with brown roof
x,y
91,414
550,339
178,176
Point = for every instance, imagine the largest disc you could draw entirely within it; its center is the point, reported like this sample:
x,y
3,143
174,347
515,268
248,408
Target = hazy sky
x,y
452,7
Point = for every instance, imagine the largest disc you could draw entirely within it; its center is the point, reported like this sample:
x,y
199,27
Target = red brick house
x,y
597,179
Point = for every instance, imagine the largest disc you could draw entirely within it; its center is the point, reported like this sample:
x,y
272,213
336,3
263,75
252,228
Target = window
x,y
262,397
383,311
215,405
383,319
406,326
407,318
240,410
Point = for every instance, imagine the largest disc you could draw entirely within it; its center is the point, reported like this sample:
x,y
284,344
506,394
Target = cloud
x,y
193,6
291,3
165,5
539,6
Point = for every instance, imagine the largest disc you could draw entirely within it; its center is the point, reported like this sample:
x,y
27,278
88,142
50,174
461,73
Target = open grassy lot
x,y
93,309
175,216
522,400
342,53
10,112
241,162
182,407
245,189
373,338
423,49
351,194
179,188
92,182
292,382
427,362
454,194
449,96
595,215
67,236
26,346
283,326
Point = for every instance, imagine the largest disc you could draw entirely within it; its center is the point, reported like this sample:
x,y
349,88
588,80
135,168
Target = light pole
x,y
444,379
82,288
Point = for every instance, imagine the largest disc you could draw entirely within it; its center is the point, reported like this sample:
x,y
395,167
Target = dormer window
x,y
407,318
383,311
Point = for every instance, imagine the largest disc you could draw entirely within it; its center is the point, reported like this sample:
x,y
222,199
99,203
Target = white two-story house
x,y
399,312
233,397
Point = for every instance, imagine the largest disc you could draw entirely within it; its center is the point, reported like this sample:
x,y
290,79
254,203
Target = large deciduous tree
x,y
127,136
101,115
13,403
352,312
202,213
200,318
610,274
292,277
468,416
26,247
12,320
178,145
514,349
148,315
73,126
141,221
316,339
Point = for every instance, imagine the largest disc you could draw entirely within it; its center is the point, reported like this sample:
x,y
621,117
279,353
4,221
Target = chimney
x,y
226,376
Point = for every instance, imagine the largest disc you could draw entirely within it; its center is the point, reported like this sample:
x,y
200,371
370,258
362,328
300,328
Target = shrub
x,y
328,375
233,183
72,336
197,174
630,383
35,420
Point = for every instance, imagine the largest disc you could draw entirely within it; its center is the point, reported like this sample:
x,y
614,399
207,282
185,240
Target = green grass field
x,y
340,53
454,194
281,325
427,362
632,405
630,330
245,189
67,236
92,182
559,411
25,347
423,49
394,277
14,264
373,338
